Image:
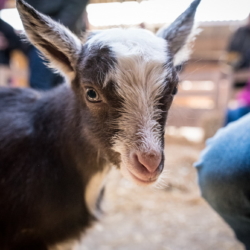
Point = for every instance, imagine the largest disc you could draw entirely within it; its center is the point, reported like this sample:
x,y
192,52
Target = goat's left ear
x,y
59,45
178,32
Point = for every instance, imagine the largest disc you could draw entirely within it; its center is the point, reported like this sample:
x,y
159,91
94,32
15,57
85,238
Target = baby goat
x,y
57,147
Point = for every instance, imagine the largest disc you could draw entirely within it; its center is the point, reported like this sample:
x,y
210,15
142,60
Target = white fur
x,y
70,245
130,42
185,52
93,189
140,83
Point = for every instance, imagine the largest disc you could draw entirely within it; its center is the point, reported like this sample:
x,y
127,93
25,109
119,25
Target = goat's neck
x,y
61,114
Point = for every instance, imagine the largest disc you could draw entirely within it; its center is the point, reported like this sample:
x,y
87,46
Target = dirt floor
x,y
172,216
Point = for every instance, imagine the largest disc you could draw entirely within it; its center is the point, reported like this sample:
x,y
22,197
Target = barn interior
x,y
171,215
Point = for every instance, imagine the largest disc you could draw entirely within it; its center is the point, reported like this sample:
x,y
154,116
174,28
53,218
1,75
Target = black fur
x,y
42,179
97,61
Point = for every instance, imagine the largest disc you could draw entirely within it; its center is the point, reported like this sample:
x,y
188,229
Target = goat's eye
x,y
92,95
175,91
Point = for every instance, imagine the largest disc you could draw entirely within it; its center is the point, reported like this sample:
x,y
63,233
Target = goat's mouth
x,y
139,179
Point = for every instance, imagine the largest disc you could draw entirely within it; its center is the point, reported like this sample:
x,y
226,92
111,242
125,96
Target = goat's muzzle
x,y
145,167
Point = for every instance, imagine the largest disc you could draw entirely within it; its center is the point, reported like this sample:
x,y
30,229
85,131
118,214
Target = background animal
x,y
57,147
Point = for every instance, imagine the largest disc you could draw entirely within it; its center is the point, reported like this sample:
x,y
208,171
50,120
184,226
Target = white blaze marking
x,y
68,245
93,190
140,77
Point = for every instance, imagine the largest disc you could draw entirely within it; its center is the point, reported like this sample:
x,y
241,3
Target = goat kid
x,y
57,147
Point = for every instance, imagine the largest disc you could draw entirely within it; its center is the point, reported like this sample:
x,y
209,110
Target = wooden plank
x,y
112,1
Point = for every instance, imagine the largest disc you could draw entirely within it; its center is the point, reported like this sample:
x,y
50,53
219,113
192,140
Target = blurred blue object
x,y
235,114
224,175
41,76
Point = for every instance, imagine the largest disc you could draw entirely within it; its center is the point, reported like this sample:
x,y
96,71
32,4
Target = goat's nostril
x,y
151,155
151,162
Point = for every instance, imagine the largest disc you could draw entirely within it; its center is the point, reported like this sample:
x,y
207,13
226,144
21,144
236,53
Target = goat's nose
x,y
150,161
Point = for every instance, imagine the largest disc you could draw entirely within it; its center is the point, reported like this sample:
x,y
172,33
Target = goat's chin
x,y
128,174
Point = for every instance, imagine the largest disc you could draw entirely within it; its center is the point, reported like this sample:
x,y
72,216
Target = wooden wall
x,y
212,41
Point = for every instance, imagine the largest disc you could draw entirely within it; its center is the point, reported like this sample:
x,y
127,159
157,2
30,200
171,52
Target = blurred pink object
x,y
2,3
244,96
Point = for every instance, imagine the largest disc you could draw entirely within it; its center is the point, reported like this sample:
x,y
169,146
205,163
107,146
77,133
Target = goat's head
x,y
124,80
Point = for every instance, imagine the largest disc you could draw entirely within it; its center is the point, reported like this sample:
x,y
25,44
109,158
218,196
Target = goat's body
x,y
56,147
41,185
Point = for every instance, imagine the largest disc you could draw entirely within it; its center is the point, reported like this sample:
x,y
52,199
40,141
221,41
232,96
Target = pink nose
x,y
150,161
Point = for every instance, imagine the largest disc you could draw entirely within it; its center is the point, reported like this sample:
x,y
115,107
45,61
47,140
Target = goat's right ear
x,y
59,45
178,32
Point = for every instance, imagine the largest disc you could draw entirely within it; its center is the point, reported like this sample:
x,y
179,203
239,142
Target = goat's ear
x,y
177,34
59,45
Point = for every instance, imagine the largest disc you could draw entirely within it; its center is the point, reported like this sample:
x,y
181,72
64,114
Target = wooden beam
x,y
12,3
112,1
